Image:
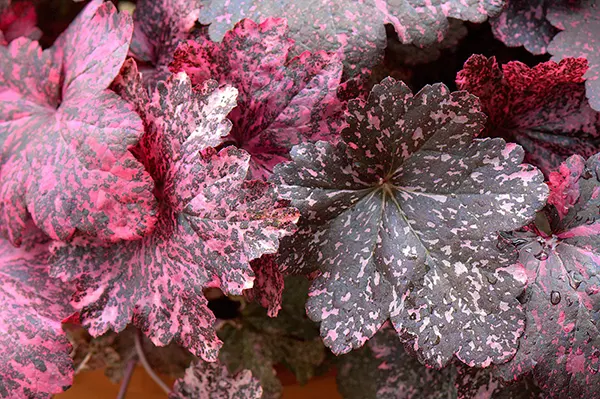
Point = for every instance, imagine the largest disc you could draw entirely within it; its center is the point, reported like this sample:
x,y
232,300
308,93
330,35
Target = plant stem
x,y
127,378
144,361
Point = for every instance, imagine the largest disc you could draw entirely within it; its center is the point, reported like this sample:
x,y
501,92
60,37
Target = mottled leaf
x,y
580,37
213,381
20,19
524,23
268,284
410,54
65,139
383,369
159,26
400,221
543,108
34,351
282,102
258,342
212,223
561,344
354,29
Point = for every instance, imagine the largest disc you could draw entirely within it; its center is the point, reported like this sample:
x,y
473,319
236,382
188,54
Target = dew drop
x,y
569,301
542,255
587,173
575,279
413,316
555,297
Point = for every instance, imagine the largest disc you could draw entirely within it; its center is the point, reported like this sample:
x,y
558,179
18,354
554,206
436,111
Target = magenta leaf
x,y
580,37
213,381
543,108
282,101
20,19
65,159
34,351
268,284
355,29
212,223
400,220
159,26
561,344
524,23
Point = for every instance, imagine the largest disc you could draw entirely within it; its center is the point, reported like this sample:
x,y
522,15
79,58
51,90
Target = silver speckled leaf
x,y
400,221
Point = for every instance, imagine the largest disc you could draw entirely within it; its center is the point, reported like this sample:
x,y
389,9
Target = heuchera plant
x,y
227,192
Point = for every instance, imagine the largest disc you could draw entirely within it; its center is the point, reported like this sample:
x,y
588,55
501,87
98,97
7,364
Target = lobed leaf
x,y
282,101
524,23
213,381
543,108
561,344
400,221
355,30
212,223
159,26
579,22
66,140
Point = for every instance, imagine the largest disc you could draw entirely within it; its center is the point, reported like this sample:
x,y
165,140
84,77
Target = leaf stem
x,y
142,356
127,378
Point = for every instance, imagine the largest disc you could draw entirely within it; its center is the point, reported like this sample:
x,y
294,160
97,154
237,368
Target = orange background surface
x,y
95,385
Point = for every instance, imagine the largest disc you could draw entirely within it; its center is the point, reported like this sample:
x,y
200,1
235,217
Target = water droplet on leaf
x,y
413,316
575,279
555,297
542,255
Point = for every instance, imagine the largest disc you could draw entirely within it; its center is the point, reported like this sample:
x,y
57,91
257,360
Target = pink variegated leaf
x,y
65,138
159,26
213,381
353,29
579,22
561,344
34,351
282,102
20,19
524,23
400,221
268,284
212,223
543,108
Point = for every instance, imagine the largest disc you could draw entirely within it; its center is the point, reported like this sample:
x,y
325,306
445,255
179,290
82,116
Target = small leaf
x,y
18,20
159,26
259,342
213,381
